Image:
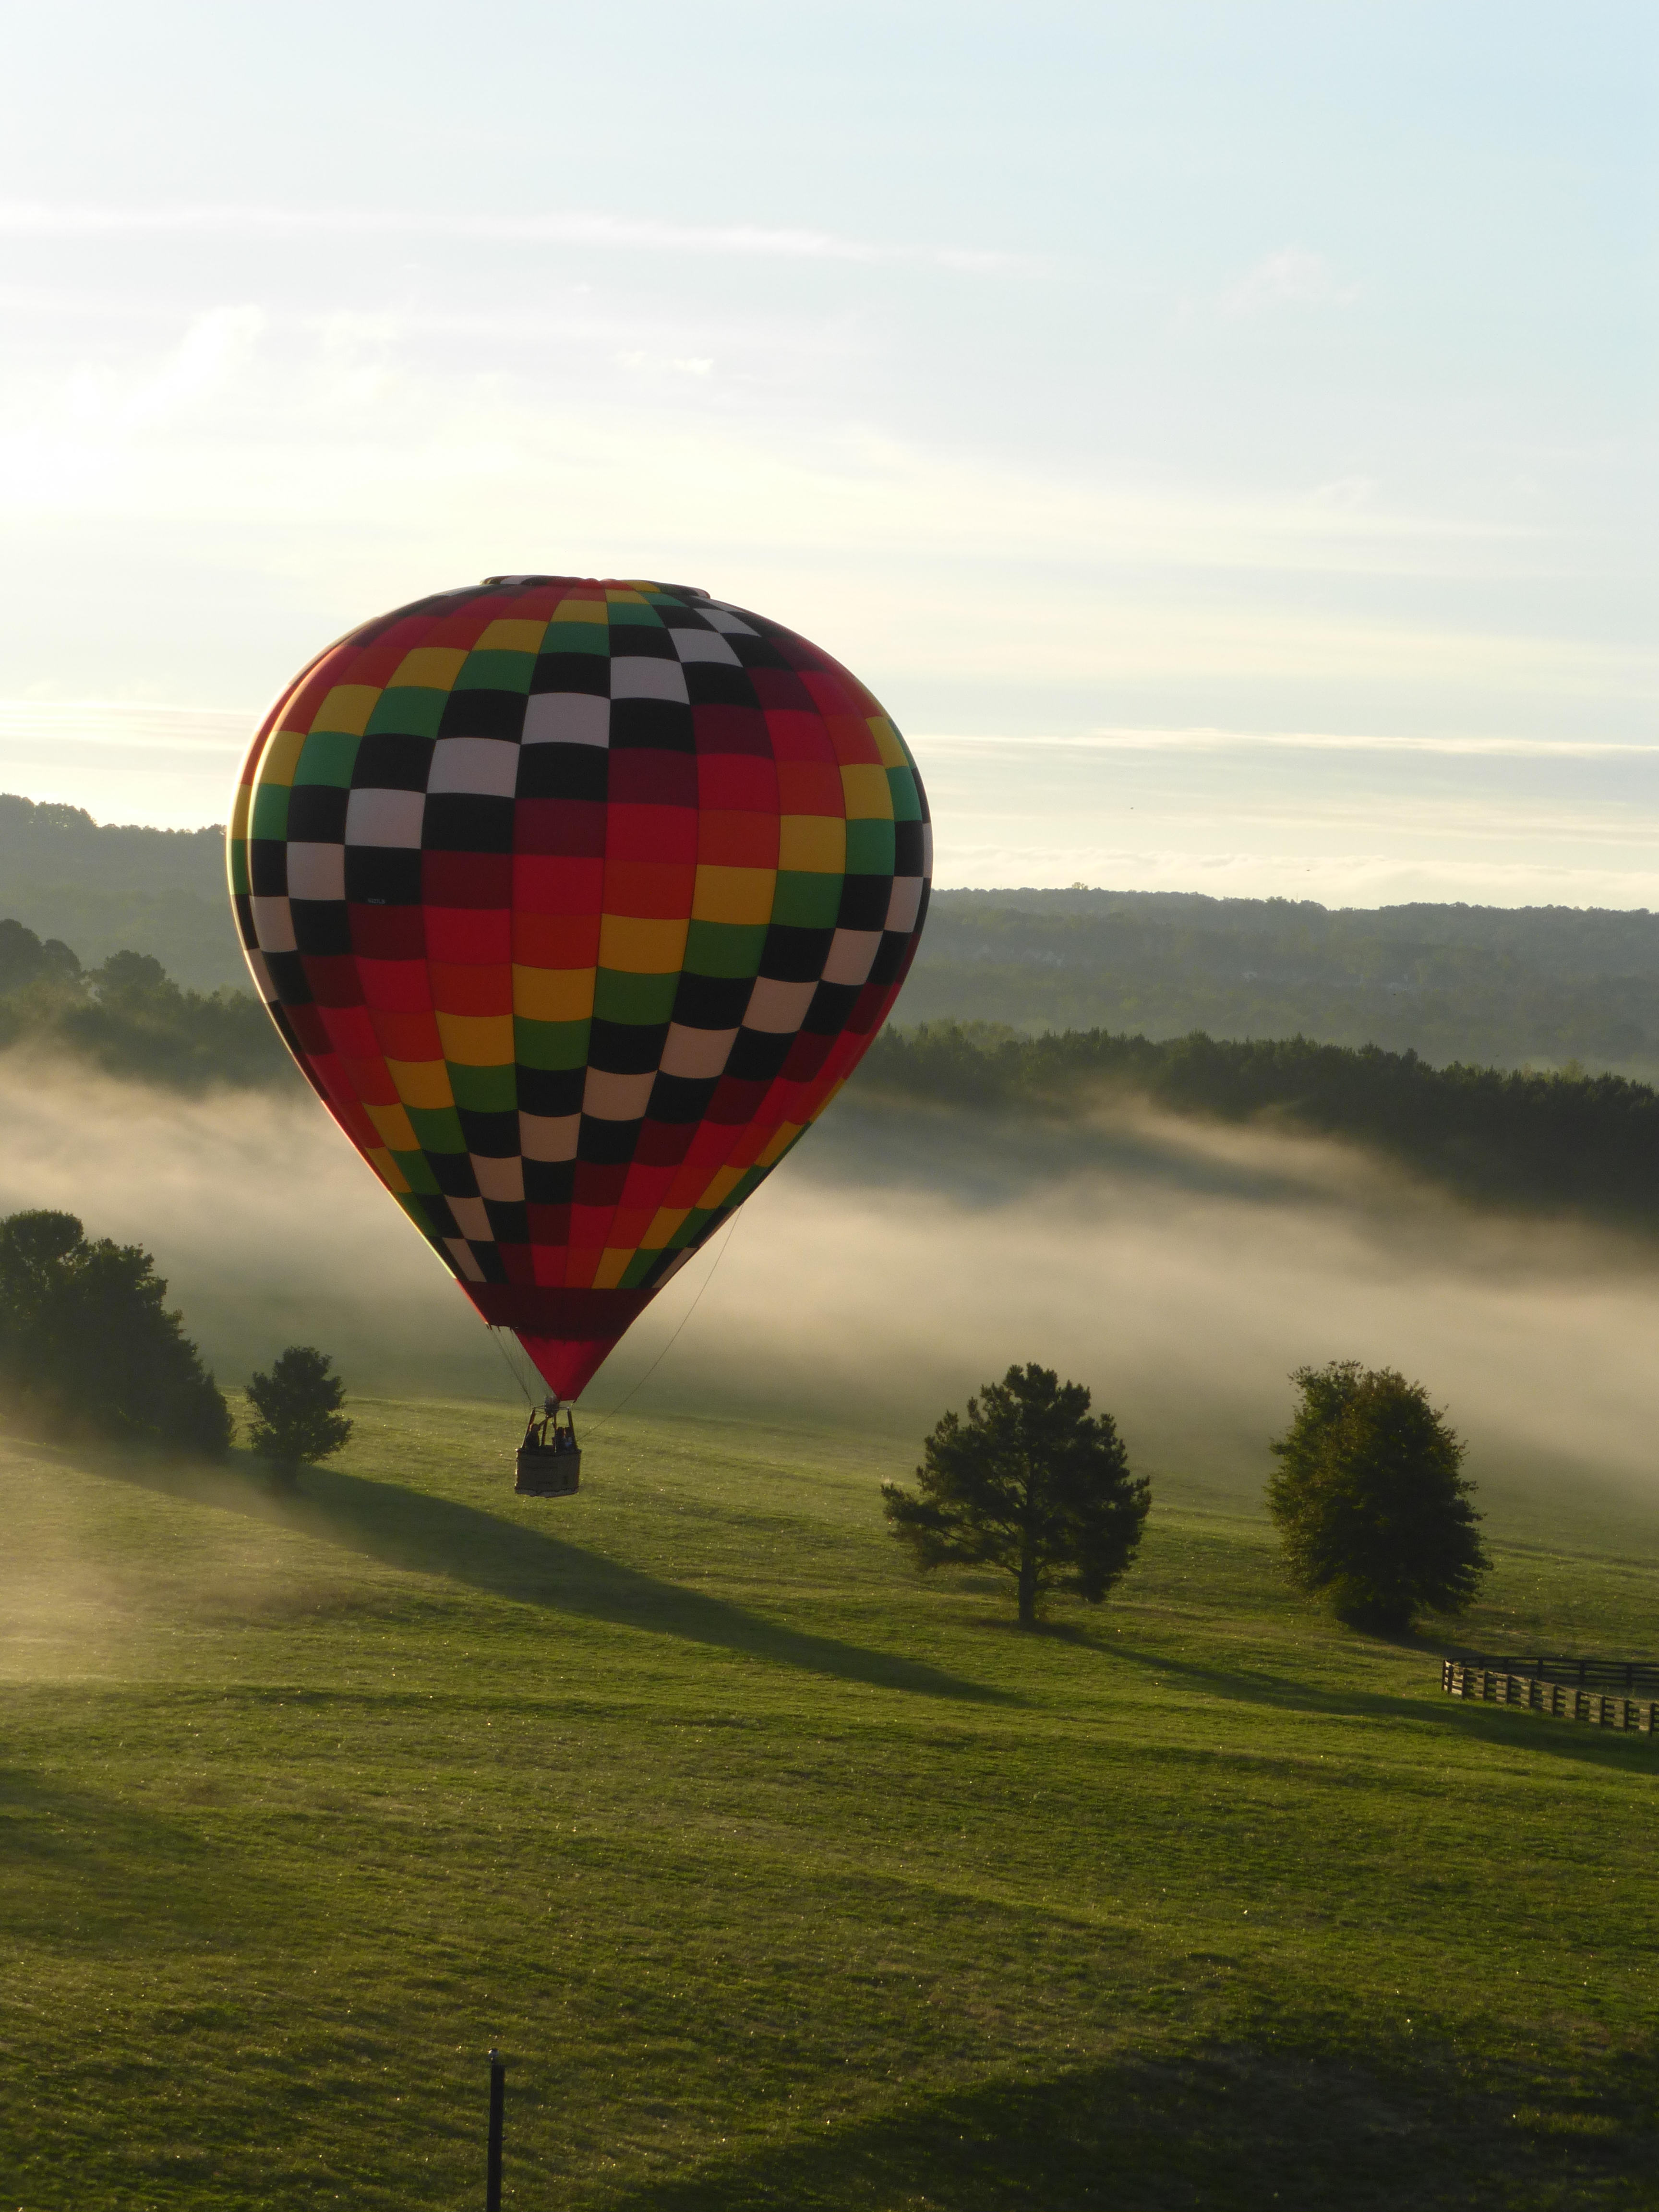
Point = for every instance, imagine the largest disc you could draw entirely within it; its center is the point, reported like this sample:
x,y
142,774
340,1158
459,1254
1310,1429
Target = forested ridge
x,y
1406,1029
1493,985
129,1018
1563,1140
111,887
1552,1140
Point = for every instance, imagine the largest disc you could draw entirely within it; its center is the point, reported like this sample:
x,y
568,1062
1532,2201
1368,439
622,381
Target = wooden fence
x,y
1635,1677
1493,1683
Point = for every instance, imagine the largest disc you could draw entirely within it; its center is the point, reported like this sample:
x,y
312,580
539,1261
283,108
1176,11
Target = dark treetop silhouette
x,y
1371,1500
1032,1483
297,1408
86,1343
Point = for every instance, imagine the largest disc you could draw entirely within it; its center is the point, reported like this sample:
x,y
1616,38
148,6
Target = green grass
x,y
786,1883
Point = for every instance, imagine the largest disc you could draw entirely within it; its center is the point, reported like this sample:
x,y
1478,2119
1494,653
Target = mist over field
x,y
899,1257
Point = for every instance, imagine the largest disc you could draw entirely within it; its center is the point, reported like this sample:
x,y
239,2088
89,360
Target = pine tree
x,y
1030,1483
298,1409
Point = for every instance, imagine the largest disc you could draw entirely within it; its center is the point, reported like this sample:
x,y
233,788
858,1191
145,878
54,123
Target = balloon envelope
x,y
576,901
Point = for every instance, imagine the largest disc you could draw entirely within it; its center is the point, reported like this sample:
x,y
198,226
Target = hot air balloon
x,y
576,901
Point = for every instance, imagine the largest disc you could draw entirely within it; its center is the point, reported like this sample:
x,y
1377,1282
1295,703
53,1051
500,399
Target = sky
x,y
1222,434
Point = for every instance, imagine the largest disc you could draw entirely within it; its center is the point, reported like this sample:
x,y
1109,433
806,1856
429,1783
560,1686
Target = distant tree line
x,y
1500,986
1560,1140
129,1018
102,886
1519,1138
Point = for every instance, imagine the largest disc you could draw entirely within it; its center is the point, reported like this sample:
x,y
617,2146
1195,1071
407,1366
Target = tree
x,y
1030,1483
86,1342
298,1409
24,960
1371,1500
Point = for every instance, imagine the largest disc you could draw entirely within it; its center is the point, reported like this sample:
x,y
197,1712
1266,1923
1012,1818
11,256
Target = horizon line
x,y
1123,738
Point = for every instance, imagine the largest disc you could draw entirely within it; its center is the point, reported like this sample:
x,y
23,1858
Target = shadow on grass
x,y
1483,1724
412,1529
87,1860
1230,2131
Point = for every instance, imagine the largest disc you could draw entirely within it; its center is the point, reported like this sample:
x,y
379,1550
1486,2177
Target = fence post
x,y
497,2116
1593,1706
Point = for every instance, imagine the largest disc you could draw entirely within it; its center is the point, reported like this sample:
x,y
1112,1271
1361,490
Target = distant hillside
x,y
1500,986
1535,1142
102,888
128,1017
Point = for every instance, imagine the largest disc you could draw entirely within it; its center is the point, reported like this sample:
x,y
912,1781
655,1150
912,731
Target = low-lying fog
x,y
899,1257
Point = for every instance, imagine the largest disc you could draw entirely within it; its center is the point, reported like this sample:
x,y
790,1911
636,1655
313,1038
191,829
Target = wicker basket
x,y
548,1473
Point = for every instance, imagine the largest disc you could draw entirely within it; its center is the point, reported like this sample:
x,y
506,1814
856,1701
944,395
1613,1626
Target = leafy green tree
x,y
87,1344
298,1409
1032,1483
24,960
1371,1501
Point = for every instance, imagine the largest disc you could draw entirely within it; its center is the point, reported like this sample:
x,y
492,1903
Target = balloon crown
x,y
521,583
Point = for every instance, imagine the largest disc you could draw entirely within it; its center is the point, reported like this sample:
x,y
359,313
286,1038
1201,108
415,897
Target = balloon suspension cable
x,y
519,1384
599,1422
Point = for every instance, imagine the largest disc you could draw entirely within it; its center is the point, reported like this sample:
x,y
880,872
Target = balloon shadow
x,y
423,1534
96,1860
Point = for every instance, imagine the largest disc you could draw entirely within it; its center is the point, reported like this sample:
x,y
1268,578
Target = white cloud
x,y
213,352
35,219
323,424
142,722
335,465
639,362
1290,277
126,760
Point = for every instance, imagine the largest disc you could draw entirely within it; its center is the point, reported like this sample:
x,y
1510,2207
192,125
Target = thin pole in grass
x,y
497,2116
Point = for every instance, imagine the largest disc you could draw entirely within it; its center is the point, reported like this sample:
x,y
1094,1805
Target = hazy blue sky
x,y
1223,434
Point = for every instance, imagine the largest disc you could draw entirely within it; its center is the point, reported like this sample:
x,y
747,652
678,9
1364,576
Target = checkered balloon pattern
x,y
576,901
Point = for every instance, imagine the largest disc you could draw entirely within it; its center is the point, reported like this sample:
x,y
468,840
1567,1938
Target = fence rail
x,y
1495,1684
1635,1677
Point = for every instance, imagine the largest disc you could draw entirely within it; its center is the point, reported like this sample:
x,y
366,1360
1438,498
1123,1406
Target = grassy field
x,y
784,1881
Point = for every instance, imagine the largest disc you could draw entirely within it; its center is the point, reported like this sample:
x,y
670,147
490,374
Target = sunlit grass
x,y
783,1880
